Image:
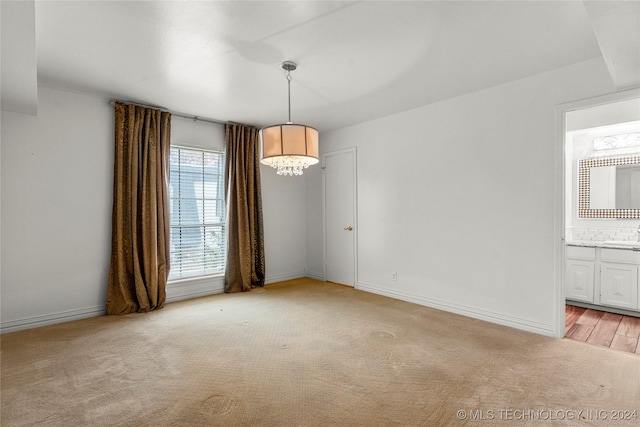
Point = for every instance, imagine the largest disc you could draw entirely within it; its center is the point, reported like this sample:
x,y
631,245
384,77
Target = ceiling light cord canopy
x,y
289,148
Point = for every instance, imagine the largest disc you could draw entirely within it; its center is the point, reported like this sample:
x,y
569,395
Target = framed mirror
x,y
609,188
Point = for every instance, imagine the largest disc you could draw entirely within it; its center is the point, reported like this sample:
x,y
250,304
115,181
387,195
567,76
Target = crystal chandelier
x,y
289,148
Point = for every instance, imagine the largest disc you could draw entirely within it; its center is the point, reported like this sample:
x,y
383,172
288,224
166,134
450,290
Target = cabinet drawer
x,y
581,252
620,255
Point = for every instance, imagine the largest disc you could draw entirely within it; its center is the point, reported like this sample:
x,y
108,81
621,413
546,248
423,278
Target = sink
x,y
622,243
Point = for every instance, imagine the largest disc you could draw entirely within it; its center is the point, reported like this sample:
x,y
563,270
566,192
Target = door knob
x,y
349,228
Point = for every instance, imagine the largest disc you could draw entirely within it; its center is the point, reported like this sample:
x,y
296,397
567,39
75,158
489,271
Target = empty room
x,y
319,213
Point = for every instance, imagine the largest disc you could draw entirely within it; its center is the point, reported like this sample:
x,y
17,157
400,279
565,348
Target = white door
x,y
339,172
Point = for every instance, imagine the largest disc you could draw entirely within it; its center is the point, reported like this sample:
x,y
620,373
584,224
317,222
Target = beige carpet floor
x,y
307,353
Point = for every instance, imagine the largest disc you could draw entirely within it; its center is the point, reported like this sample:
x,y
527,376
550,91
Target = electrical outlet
x,y
394,276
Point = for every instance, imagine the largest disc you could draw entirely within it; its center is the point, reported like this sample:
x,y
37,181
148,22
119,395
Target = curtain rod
x,y
173,113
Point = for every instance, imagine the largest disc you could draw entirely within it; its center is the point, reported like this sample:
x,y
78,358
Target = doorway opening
x,y
599,258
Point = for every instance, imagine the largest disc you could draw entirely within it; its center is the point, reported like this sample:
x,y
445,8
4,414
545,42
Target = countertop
x,y
612,244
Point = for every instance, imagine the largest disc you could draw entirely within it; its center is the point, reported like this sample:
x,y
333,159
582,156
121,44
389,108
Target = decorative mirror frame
x,y
584,178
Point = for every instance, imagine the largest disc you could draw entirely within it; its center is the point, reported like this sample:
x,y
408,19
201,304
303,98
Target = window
x,y
196,212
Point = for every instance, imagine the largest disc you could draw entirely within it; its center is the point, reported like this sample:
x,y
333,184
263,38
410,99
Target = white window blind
x,y
196,206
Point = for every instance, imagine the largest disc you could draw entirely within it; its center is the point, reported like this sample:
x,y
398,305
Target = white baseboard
x,y
51,319
314,275
200,287
176,291
185,290
489,316
283,277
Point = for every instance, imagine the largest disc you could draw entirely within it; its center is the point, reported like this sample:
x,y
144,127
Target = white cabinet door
x,y
579,280
619,285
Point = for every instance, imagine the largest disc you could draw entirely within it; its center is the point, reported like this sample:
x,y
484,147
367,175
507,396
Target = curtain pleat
x,y
245,268
139,265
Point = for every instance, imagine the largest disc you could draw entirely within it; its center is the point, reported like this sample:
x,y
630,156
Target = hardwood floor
x,y
601,328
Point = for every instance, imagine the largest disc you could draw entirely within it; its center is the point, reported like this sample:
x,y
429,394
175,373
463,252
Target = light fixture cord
x,y
288,76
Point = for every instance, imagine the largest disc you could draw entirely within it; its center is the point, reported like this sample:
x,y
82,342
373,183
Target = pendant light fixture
x,y
289,148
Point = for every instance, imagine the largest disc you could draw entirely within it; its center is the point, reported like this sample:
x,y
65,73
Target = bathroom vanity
x,y
599,272
604,274
602,257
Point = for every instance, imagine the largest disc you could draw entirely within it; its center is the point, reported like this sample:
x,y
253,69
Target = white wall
x,y
314,224
283,210
56,199
459,198
57,171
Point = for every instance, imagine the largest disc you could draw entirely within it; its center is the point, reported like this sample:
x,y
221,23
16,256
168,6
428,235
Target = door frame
x,y
323,164
560,192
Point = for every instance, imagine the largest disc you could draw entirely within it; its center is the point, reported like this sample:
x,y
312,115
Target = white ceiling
x,y
617,27
357,60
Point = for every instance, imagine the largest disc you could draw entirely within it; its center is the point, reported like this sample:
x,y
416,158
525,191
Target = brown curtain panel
x,y
245,242
140,219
